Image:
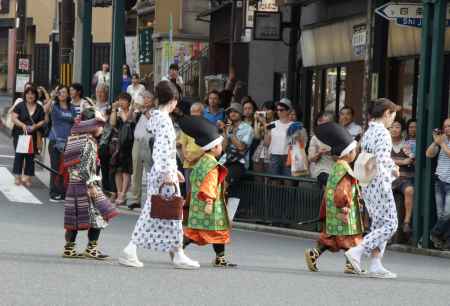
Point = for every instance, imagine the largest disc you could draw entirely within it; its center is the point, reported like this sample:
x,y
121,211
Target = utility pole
x,y
86,53
232,33
67,17
367,82
54,48
294,36
21,23
428,111
117,48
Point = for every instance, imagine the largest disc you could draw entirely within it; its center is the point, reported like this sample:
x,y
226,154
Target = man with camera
x,y
441,148
238,137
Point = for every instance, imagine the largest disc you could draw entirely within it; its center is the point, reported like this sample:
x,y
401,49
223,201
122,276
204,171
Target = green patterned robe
x,y
218,219
334,225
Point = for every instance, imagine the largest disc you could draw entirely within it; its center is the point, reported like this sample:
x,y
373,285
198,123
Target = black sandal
x,y
221,262
311,256
70,252
92,252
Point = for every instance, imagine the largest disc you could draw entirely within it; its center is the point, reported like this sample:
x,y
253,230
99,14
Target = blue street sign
x,y
405,14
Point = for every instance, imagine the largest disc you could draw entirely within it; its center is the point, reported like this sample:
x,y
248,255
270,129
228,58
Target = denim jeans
x,y
442,197
442,229
278,165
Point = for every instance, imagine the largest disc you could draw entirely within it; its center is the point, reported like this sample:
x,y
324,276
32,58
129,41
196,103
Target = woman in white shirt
x,y
136,88
278,139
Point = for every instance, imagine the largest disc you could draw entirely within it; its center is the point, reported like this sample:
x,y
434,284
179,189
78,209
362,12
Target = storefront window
x,y
3,59
407,101
330,90
342,91
316,94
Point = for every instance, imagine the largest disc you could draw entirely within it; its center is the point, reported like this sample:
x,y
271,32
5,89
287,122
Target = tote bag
x,y
25,144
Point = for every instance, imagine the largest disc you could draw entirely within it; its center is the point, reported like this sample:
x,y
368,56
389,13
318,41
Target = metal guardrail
x,y
263,201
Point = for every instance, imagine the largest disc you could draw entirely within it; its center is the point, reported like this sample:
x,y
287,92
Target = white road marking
x,y
44,177
14,193
7,156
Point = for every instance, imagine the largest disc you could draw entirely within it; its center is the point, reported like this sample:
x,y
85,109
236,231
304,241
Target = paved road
x,y
271,271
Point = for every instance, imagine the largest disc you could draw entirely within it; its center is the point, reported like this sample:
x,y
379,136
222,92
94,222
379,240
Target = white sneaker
x,y
382,273
356,264
181,261
130,260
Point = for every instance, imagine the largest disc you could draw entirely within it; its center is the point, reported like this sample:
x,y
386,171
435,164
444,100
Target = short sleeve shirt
x,y
21,110
245,135
220,116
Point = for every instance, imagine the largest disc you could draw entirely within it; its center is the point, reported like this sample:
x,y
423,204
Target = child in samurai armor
x,y
340,210
86,207
208,221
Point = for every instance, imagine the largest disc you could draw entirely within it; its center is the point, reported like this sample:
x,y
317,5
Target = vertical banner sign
x,y
23,72
359,40
170,35
132,53
146,46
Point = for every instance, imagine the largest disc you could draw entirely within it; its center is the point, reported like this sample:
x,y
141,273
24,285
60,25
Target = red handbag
x,y
167,208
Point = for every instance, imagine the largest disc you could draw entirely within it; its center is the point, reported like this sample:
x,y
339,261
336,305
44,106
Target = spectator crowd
x,y
262,137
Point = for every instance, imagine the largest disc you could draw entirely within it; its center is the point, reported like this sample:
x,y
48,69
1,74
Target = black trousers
x,y
219,248
322,180
93,235
108,181
56,181
235,172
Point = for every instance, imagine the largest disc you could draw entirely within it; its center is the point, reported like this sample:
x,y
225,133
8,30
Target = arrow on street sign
x,y
405,14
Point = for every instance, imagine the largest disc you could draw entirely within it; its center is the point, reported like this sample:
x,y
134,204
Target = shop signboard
x,y
4,6
146,46
359,39
268,26
405,14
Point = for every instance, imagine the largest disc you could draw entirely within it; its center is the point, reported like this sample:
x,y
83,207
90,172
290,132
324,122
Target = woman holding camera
x,y
261,156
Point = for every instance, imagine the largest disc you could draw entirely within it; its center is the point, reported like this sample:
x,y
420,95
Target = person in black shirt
x,y
28,117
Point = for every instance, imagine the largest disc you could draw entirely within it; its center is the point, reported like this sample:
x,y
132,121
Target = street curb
x,y
276,230
314,236
419,251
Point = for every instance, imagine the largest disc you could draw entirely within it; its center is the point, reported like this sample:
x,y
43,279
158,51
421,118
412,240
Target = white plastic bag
x,y
233,204
25,144
299,161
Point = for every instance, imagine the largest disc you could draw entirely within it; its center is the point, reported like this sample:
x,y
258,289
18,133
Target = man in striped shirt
x,y
441,148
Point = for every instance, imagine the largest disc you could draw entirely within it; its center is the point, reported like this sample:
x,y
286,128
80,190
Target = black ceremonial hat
x,y
205,133
337,137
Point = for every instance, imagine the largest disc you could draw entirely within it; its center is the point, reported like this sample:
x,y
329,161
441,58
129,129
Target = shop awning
x,y
213,9
145,7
